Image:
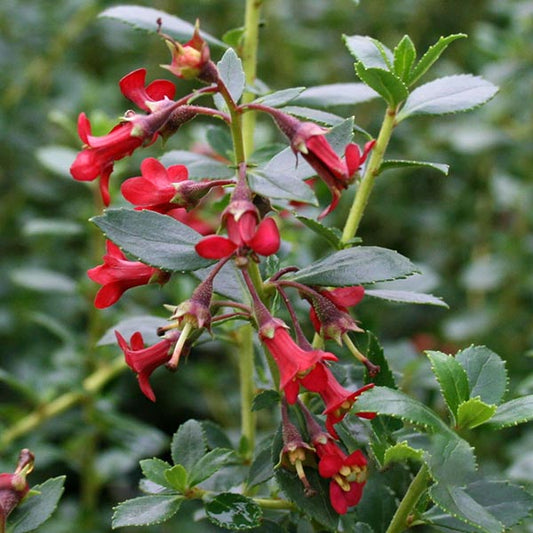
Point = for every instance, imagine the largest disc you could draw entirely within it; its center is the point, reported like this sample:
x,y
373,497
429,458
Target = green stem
x,y
246,375
367,181
400,520
270,503
249,59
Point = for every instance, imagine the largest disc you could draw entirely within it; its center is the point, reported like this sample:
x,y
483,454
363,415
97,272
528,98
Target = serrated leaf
x,y
327,233
486,373
451,460
473,413
155,239
188,444
401,452
154,470
356,266
178,478
452,379
368,51
232,74
36,509
514,412
400,163
280,98
335,94
265,399
145,18
146,510
406,297
198,166
261,468
431,55
234,511
209,464
385,83
404,57
450,94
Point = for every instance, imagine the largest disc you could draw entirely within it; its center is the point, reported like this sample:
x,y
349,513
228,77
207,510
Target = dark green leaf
x,y
280,98
356,266
374,352
327,233
388,85
145,18
209,464
231,73
154,470
215,435
228,282
450,94
431,55
199,166
452,379
234,511
188,444
261,468
378,504
265,399
146,510
406,297
404,57
515,412
178,478
368,51
486,373
36,509
336,94
451,459
158,240
398,163
473,413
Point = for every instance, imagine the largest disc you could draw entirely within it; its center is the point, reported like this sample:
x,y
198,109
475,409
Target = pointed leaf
x,y
335,94
327,233
280,98
146,510
388,85
398,163
178,478
234,511
450,94
154,470
36,509
473,413
355,266
232,74
515,412
452,379
316,115
145,18
404,57
154,239
400,453
406,297
188,444
431,55
486,373
261,468
209,464
368,51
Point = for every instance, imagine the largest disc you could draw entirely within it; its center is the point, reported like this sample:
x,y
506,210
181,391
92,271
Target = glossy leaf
x,y
155,239
391,88
209,464
233,511
335,94
188,444
324,231
154,470
473,413
146,510
450,94
452,379
356,266
37,508
400,163
404,57
406,297
178,478
401,452
514,412
368,51
261,468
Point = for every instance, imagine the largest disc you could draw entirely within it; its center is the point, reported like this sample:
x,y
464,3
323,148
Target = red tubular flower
x,y
143,361
117,274
296,365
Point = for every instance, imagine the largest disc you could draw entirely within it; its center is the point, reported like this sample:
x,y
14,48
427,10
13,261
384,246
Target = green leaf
x,y
368,51
38,508
406,297
146,510
401,452
209,464
43,280
335,94
451,460
388,85
234,511
514,412
431,55
486,373
385,401
377,506
450,94
145,18
456,502
452,379
316,115
188,444
327,233
232,74
199,166
280,98
261,468
355,266
473,413
234,37
178,478
265,399
155,239
404,57
400,163
155,470
57,159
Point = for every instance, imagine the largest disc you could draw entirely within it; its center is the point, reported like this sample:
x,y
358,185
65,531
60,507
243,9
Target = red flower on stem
x,y
118,274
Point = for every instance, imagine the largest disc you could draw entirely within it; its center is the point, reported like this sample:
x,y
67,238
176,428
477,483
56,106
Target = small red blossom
x,y
144,360
117,274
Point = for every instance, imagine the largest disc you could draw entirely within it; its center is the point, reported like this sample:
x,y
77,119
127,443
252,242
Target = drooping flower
x,y
117,274
144,360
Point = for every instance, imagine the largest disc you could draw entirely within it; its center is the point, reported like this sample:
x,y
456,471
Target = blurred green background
x,y
470,231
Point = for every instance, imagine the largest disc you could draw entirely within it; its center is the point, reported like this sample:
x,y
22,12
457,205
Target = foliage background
x,y
471,231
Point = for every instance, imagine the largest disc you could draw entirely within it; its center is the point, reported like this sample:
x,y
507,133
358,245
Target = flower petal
x,y
266,240
215,247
